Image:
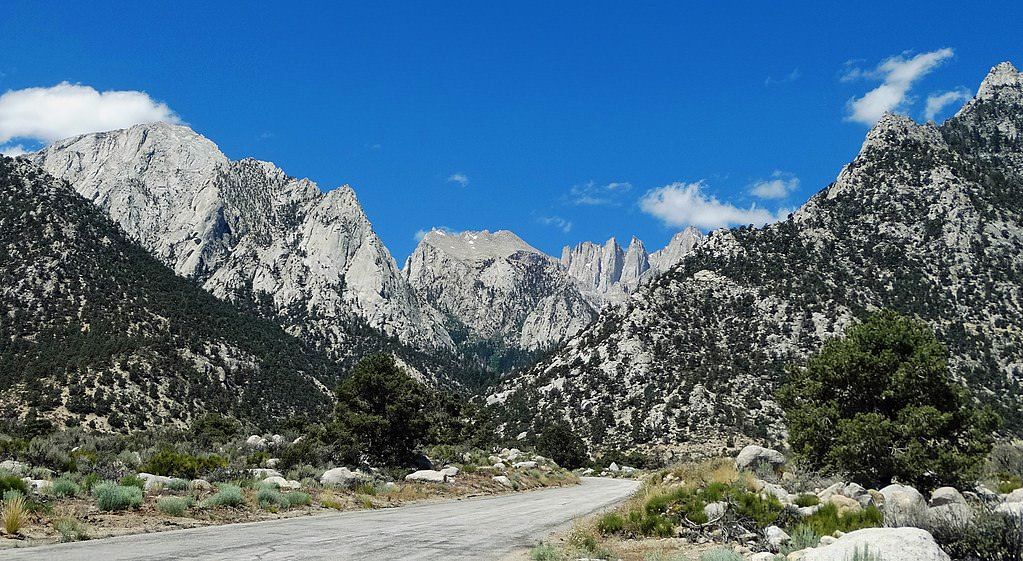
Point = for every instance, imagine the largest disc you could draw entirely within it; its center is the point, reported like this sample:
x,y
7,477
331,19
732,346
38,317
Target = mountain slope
x,y
926,220
95,331
497,291
250,233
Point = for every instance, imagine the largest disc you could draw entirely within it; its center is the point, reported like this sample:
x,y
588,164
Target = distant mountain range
x,y
927,220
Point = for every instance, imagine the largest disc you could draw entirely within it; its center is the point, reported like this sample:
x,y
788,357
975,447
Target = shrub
x,y
721,554
70,529
176,485
12,483
133,481
801,537
226,495
173,506
14,512
762,510
64,487
1008,483
826,520
111,496
990,536
558,442
298,498
880,404
546,552
170,462
807,499
610,523
269,497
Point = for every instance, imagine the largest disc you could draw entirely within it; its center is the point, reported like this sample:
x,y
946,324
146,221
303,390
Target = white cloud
x,y
48,114
459,178
937,102
13,150
685,204
558,222
898,74
591,194
779,186
790,77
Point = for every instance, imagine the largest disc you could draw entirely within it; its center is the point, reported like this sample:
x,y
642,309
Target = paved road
x,y
477,529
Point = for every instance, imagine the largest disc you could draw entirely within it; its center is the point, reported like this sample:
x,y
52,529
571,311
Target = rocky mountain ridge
x,y
926,220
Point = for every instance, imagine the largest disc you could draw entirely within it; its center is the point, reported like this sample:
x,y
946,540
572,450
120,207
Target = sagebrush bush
x,y
989,536
546,552
721,554
176,485
133,481
14,512
174,506
64,487
610,523
269,497
170,462
70,529
298,498
226,495
111,496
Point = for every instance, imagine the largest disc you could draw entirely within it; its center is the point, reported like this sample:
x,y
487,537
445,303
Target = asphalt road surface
x,y
478,529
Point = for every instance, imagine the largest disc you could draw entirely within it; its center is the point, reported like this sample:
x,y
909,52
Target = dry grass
x,y
14,514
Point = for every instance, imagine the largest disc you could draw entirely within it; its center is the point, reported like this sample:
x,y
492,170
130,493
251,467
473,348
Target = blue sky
x,y
561,121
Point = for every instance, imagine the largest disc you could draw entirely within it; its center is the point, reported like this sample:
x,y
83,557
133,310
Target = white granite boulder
x,y
890,544
753,457
427,475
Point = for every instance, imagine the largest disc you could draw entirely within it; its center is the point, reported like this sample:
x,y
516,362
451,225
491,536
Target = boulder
x,y
450,471
833,489
770,489
503,480
263,473
200,485
858,492
428,475
37,484
524,465
272,463
955,515
15,467
903,505
421,461
282,483
845,504
754,457
277,440
715,510
586,472
1010,509
613,467
154,480
890,544
521,436
776,537
1015,496
499,465
945,496
255,441
343,477
805,511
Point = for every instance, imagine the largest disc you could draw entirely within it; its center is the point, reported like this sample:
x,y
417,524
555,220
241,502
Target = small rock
x,y
428,475
273,462
450,471
255,441
946,495
754,457
521,435
614,467
503,480
776,536
764,556
837,488
809,510
524,465
154,480
500,465
200,485
715,510
277,439
903,505
263,473
37,484
282,483
845,505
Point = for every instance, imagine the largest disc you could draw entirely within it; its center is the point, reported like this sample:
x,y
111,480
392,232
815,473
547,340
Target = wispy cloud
x,y
790,77
780,185
13,150
591,194
937,102
898,74
686,204
48,114
558,222
459,178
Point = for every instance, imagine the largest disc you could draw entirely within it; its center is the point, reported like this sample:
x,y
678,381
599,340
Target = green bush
x,y
1008,483
133,481
111,496
610,523
546,552
558,442
721,554
879,404
176,485
226,495
298,498
13,483
70,529
807,499
826,520
269,497
64,487
174,506
170,462
989,536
